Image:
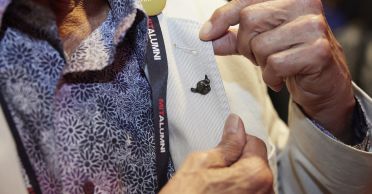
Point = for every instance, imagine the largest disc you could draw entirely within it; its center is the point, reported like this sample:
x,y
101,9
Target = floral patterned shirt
x,y
85,120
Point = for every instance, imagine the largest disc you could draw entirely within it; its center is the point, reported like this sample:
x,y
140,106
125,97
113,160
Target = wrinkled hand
x,y
238,165
293,44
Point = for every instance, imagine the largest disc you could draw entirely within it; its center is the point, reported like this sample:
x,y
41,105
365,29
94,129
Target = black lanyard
x,y
157,65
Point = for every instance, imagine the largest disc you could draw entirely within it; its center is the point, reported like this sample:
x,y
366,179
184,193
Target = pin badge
x,y
203,87
153,7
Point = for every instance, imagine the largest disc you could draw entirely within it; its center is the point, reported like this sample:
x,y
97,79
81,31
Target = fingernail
x,y
206,28
277,88
232,123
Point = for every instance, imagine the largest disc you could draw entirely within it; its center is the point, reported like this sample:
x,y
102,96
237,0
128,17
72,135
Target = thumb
x,y
233,140
254,147
228,151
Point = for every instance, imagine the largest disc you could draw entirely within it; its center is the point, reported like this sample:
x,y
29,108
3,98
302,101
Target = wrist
x,y
336,116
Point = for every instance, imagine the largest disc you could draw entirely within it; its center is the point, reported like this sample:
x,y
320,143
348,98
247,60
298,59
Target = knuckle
x,y
257,141
276,69
267,180
248,18
197,156
258,45
323,50
259,169
317,4
211,185
275,63
259,145
268,79
318,24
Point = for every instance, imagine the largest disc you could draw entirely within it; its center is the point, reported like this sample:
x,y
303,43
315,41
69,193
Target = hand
x,y
293,44
237,165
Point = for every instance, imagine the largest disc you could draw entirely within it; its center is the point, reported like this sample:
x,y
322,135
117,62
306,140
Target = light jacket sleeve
x,y
313,162
10,169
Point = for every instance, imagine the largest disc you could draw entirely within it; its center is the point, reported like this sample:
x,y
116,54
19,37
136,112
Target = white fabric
x,y
196,121
189,61
186,68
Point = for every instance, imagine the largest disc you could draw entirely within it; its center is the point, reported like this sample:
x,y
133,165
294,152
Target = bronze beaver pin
x,y
203,87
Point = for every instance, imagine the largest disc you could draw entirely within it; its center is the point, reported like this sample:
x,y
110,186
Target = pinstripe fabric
x,y
196,121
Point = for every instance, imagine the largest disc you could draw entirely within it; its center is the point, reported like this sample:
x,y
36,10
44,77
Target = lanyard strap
x,y
157,65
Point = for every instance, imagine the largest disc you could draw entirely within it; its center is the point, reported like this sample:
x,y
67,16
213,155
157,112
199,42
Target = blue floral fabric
x,y
86,117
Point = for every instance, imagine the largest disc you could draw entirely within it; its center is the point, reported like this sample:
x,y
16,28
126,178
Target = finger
x,y
302,30
305,59
227,152
260,18
250,173
254,161
233,140
254,20
227,44
223,18
254,147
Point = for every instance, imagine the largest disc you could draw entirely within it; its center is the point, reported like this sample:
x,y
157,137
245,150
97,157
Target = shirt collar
x,y
98,50
39,22
124,13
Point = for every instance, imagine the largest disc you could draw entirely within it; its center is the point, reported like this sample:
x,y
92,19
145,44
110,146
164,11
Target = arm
x,y
293,45
313,162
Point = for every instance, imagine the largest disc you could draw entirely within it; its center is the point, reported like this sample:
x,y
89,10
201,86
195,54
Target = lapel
x,y
195,121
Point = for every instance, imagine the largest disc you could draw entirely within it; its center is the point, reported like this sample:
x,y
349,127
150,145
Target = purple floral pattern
x,y
85,117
